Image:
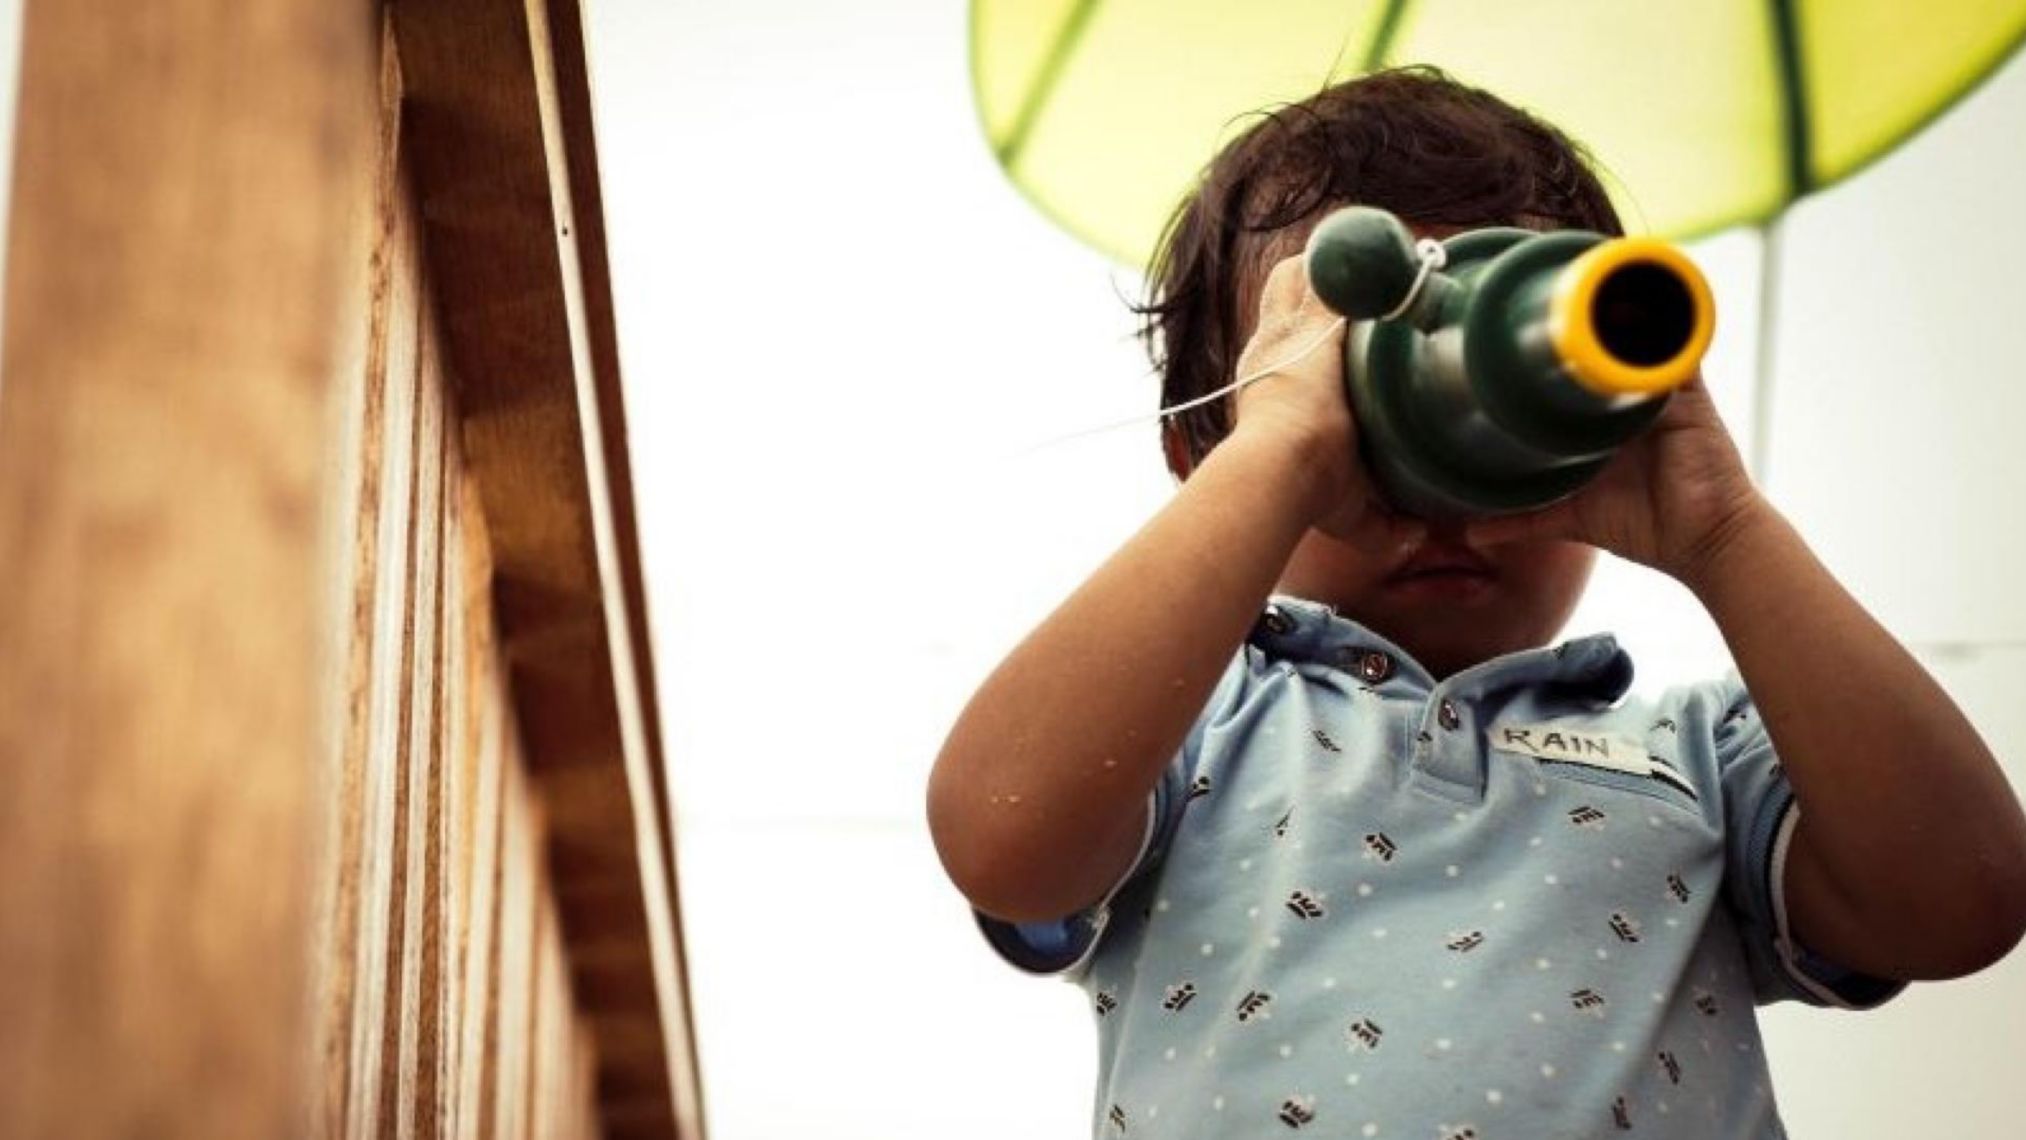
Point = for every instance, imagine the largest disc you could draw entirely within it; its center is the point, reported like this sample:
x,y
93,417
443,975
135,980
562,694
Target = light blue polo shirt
x,y
1512,904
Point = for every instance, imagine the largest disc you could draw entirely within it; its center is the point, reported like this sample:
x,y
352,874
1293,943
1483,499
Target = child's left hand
x,y
1667,499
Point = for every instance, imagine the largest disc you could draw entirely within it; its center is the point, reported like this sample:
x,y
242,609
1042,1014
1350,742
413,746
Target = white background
x,y
10,64
842,331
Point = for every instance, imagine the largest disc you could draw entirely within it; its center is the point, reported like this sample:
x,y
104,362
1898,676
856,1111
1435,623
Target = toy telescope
x,y
1498,371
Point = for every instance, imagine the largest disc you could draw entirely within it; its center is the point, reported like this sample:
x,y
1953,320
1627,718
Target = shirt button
x,y
1374,666
1447,715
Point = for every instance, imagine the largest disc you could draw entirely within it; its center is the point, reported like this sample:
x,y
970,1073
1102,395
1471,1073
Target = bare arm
x,y
1883,766
1039,795
1038,799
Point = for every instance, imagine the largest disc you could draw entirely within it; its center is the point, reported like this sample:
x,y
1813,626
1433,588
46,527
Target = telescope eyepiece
x,y
1631,317
1643,313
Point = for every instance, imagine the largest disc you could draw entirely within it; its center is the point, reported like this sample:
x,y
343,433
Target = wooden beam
x,y
573,101
177,261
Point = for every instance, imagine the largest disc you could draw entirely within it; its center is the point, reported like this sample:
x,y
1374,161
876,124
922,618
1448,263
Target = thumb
x,y
1285,293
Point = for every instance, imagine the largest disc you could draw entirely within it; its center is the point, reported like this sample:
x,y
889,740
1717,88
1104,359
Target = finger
x,y
1286,302
1289,316
1286,285
1312,309
1688,408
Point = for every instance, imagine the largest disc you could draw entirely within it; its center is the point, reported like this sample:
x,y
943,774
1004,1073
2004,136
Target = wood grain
x,y
355,505
328,762
443,901
177,268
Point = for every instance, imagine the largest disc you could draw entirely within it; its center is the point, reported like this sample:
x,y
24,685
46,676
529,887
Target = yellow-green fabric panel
x,y
1150,93
1010,44
1878,70
1608,72
1677,99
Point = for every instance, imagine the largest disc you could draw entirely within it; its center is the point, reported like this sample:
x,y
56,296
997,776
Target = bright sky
x,y
844,333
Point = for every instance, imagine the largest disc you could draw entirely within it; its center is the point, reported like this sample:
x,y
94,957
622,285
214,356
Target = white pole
x,y
1762,379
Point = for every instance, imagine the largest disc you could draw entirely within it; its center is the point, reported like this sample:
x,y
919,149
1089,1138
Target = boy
x,y
1293,787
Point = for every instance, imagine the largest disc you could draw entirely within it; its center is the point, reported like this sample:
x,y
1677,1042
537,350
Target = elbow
x,y
1010,900
969,862
1983,919
1997,871
1981,935
2004,909
2005,925
1970,952
992,880
979,858
1012,860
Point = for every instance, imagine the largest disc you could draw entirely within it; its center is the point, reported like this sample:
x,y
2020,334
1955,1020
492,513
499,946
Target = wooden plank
x,y
356,508
584,1058
415,1028
544,1028
520,862
572,87
176,273
457,783
482,1019
502,156
478,816
385,733
562,89
482,186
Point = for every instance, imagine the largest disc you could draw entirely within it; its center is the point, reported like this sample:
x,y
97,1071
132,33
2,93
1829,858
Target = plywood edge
x,y
497,114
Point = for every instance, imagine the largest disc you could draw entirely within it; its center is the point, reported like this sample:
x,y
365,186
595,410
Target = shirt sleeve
x,y
1760,812
1063,947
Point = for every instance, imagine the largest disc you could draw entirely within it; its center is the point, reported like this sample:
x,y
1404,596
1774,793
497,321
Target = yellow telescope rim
x,y
1573,331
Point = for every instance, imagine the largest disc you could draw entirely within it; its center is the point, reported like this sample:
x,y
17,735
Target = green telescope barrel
x,y
1505,378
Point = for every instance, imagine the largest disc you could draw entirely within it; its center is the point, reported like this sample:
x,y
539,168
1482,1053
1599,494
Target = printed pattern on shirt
x,y
1408,933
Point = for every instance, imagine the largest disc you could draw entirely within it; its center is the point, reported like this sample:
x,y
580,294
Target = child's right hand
x,y
1038,801
1302,403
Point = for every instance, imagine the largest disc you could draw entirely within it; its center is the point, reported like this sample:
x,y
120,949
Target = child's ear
x,y
1177,450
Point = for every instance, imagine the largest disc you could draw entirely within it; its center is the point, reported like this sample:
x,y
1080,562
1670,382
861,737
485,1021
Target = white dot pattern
x,y
1426,982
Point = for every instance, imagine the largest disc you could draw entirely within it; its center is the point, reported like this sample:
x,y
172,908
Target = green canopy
x,y
1703,113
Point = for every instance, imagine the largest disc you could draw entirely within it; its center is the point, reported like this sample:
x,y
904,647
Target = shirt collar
x,y
1296,628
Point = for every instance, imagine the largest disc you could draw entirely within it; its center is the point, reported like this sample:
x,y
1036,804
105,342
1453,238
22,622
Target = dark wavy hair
x,y
1410,140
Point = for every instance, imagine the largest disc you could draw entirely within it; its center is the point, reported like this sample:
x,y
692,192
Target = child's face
x,y
1446,602
1449,604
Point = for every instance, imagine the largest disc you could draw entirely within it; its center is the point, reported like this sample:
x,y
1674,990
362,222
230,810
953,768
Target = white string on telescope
x,y
1163,413
1434,255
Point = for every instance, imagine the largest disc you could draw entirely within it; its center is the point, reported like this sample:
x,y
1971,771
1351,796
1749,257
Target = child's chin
x,y
1442,589
1448,647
